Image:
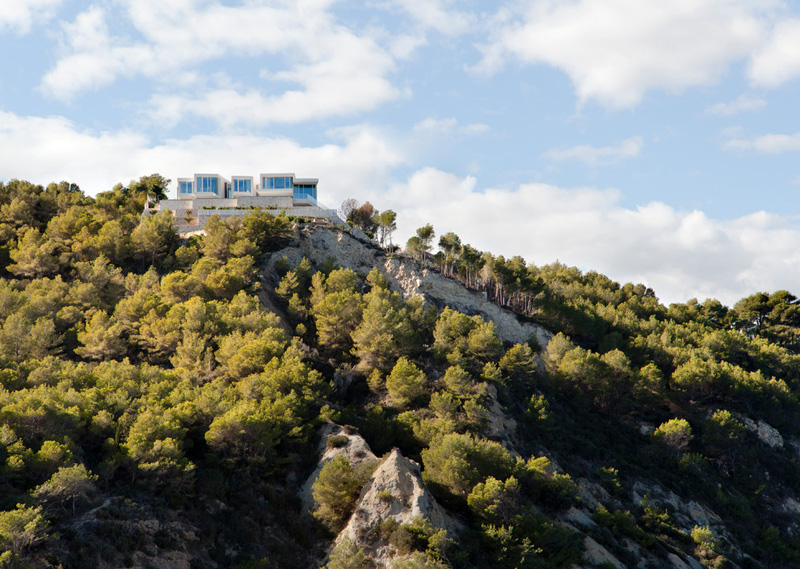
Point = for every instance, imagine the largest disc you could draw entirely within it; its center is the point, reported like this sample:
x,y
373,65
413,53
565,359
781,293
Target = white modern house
x,y
204,195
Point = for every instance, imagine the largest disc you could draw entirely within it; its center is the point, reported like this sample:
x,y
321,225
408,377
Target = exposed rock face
x,y
499,426
687,515
591,493
596,554
355,450
766,433
679,563
162,543
407,277
395,491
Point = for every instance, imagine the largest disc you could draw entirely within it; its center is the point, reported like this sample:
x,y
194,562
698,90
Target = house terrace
x,y
204,195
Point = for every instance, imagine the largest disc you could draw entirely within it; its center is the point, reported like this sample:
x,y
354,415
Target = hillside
x,y
284,393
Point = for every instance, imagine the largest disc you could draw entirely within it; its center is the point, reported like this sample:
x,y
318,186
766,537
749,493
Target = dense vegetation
x,y
149,403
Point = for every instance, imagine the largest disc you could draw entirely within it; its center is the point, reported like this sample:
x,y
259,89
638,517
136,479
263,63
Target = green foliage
x,y
495,501
418,560
385,332
68,484
155,240
22,528
137,364
621,523
675,434
609,477
406,383
155,443
338,312
519,362
336,489
419,540
508,550
459,462
347,555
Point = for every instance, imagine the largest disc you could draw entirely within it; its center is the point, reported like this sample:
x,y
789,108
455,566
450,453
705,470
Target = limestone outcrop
x,y
335,440
394,491
406,276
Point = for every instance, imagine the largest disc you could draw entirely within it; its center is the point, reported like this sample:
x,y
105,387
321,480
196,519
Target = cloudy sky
x,y
655,142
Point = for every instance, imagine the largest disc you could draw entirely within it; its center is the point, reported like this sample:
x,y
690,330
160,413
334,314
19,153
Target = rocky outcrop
x,y
596,554
407,277
765,432
163,540
395,491
335,440
686,515
499,426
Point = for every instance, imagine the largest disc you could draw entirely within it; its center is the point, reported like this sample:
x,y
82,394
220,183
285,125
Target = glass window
x,y
276,183
207,184
305,191
242,185
185,187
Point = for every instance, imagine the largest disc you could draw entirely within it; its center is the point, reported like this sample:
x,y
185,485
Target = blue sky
x,y
656,142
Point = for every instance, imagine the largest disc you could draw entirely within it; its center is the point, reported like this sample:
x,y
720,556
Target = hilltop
x,y
280,392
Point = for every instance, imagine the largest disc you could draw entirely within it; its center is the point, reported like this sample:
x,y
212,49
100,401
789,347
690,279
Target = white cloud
x,y
19,15
766,143
436,125
615,51
741,104
346,83
329,68
450,125
778,60
598,156
680,254
43,150
438,15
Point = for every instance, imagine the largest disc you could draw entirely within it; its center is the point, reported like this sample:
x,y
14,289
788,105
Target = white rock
x,y
677,562
356,450
396,491
769,434
597,554
407,277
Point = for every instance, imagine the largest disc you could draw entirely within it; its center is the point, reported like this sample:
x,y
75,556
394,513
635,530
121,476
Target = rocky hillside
x,y
355,251
280,394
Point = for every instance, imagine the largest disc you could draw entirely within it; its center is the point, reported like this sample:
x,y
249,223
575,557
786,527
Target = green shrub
x,y
337,441
406,383
347,555
458,462
675,434
337,488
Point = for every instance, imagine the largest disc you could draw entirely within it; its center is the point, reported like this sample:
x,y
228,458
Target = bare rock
x,y
591,493
596,554
765,432
355,449
769,435
577,517
677,562
686,514
395,491
412,280
405,276
646,429
499,426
